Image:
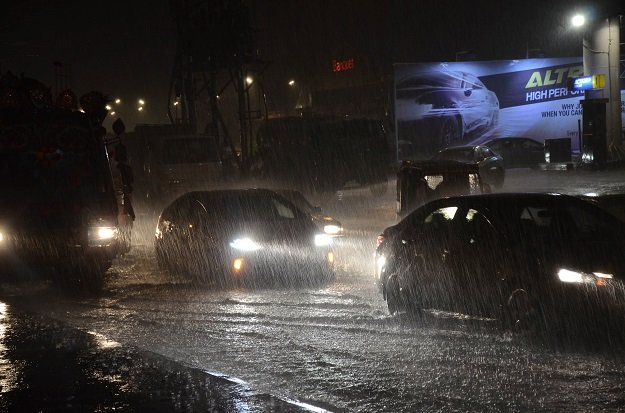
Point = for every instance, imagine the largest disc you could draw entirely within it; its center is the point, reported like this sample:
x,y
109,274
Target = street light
x,y
249,80
291,82
141,102
118,101
578,20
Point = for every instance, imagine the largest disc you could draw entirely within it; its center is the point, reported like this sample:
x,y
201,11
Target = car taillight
x,y
379,240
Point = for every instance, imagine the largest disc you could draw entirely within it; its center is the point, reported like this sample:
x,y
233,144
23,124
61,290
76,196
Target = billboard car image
x,y
444,104
443,108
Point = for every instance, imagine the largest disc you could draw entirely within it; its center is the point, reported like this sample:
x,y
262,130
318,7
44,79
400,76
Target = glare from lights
x,y
249,80
322,240
140,108
112,113
291,82
118,101
176,103
141,102
578,20
108,107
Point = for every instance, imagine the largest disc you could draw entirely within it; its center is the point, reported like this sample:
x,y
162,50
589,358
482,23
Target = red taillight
x,y
379,240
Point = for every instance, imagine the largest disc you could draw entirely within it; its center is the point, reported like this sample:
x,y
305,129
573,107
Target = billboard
x,y
443,104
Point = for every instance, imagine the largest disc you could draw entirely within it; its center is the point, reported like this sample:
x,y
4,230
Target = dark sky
x,y
126,48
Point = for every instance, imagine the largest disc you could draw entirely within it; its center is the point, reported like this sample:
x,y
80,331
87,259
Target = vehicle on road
x,y
170,160
248,236
419,182
518,152
58,211
490,164
532,260
323,154
326,223
439,109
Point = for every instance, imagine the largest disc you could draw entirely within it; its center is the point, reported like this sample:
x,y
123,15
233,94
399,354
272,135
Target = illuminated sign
x,y
582,83
342,65
587,82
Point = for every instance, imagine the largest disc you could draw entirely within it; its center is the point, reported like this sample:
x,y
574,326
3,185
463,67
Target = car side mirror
x,y
468,92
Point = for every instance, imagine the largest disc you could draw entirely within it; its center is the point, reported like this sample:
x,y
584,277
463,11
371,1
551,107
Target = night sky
x,y
126,48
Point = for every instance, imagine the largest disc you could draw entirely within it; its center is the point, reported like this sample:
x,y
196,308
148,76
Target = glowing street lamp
x,y
249,80
118,101
291,82
141,102
140,108
578,20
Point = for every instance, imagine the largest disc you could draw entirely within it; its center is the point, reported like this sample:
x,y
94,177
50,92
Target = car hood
x,y
298,232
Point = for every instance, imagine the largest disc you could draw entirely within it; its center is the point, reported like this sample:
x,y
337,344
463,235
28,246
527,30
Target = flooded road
x,y
336,347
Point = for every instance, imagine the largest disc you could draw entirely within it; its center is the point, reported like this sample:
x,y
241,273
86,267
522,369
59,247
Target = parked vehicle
x,y
438,109
490,164
518,152
540,260
326,223
252,237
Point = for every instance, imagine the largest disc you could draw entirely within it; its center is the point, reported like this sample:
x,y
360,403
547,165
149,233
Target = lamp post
x,y
601,55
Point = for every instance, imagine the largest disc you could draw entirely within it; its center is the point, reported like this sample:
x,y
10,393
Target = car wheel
x,y
521,313
392,302
450,132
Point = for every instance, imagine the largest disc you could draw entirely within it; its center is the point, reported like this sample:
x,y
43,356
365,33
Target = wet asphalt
x,y
46,366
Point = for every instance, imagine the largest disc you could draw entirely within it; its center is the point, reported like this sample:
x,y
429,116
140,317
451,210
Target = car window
x,y
478,229
439,224
283,211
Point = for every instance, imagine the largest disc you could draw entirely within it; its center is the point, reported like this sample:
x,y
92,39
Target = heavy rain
x,y
225,251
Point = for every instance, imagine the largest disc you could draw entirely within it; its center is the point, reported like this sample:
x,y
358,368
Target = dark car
x,y
252,236
544,260
518,152
443,108
326,223
490,164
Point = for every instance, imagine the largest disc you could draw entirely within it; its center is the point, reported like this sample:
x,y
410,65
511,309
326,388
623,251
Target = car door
x,y
475,263
488,164
425,258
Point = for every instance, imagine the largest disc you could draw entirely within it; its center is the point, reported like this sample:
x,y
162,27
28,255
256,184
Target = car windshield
x,y
242,208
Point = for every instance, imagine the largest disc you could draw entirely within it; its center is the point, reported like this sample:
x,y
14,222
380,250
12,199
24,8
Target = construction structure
x,y
216,66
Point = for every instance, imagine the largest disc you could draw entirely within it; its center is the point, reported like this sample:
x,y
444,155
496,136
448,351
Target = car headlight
x,y
331,229
569,276
322,240
1,236
99,235
245,244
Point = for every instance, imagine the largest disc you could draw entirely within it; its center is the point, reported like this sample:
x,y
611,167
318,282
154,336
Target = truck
x,y
169,160
58,211
323,153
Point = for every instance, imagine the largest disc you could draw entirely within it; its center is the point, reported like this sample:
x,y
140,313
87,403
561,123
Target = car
x,y
518,152
326,223
248,237
491,165
439,109
545,261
